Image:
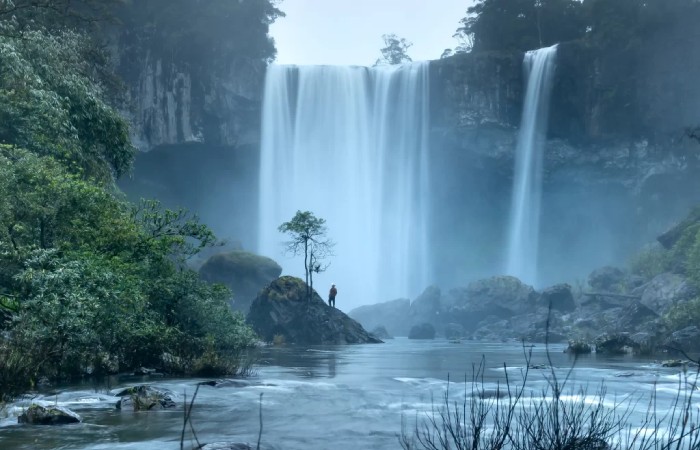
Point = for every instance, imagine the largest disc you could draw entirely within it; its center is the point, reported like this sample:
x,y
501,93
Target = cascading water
x,y
350,144
523,245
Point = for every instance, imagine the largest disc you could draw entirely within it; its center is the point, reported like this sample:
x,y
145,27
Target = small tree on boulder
x,y
308,237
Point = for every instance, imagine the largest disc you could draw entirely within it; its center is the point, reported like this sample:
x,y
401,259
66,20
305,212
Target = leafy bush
x,y
650,262
90,284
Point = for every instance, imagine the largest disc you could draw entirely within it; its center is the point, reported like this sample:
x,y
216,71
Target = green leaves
x,y
51,105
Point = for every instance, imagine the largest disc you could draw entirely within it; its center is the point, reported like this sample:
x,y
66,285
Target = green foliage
x,y
51,104
683,315
607,24
685,258
650,262
171,232
394,51
308,237
202,30
521,25
89,283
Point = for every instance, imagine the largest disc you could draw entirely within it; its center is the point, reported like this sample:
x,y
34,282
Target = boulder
x,y
144,398
666,290
607,279
282,309
634,316
614,344
422,331
426,307
578,348
501,296
686,339
243,272
48,415
381,333
559,297
394,315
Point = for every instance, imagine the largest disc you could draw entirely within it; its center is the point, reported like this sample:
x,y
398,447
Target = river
x,y
340,397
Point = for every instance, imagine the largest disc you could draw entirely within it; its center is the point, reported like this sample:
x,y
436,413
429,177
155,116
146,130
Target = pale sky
x,y
349,32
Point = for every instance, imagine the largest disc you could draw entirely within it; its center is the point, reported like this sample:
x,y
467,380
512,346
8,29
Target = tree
x,y
394,51
308,234
520,25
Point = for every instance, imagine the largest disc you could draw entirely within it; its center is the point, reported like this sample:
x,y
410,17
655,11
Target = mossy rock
x,y
48,415
243,272
284,313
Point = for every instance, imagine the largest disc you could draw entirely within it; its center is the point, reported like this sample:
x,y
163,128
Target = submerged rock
x,y
282,309
614,344
144,398
578,348
48,415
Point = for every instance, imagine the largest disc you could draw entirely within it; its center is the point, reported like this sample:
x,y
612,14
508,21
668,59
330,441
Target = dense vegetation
x,y
682,258
494,25
89,283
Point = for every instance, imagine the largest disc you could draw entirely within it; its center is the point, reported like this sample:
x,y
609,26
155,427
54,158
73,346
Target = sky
x,y
349,32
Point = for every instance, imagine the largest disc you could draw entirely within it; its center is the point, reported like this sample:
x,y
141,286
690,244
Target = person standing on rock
x,y
331,295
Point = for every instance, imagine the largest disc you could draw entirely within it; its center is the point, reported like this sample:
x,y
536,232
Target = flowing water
x,y
350,145
341,397
524,228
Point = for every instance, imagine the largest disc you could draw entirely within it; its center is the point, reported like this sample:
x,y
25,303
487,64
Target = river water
x,y
340,397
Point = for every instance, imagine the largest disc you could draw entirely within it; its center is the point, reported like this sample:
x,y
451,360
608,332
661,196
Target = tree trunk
x,y
306,268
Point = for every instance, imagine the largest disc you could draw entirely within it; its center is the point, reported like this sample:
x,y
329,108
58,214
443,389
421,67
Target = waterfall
x,y
350,144
522,259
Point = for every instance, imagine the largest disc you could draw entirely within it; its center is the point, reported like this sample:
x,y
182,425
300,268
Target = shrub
x,y
650,262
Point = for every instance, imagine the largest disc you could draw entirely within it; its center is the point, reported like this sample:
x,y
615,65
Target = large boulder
x,y
282,309
426,307
607,279
686,340
664,291
614,344
502,296
559,297
144,398
394,315
48,415
633,317
243,272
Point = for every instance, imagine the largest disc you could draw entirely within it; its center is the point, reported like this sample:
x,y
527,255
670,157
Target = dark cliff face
x,y
175,101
